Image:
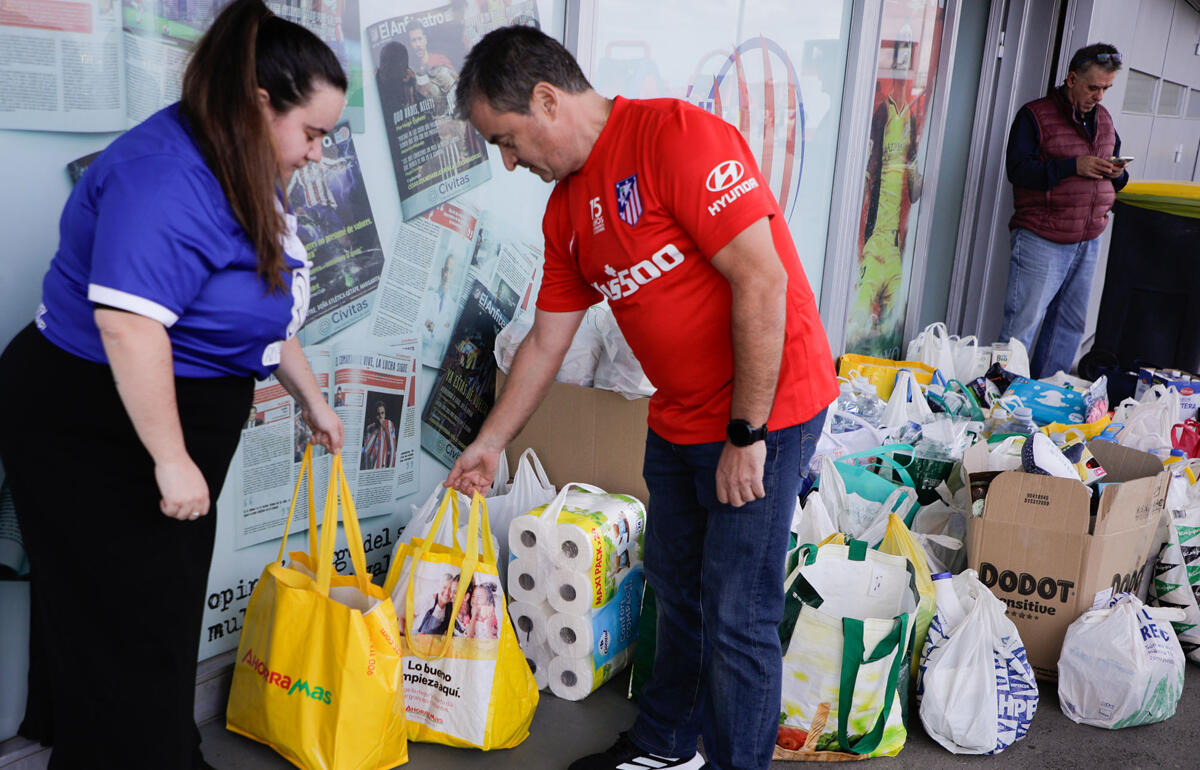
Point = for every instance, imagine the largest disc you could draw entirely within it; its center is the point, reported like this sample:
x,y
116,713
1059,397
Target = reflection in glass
x,y
772,68
907,63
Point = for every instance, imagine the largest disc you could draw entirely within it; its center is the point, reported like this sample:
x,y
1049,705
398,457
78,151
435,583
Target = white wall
x,y
1159,38
30,204
1161,42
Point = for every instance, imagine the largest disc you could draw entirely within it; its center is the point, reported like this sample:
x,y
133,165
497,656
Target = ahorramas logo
x,y
625,282
285,681
724,175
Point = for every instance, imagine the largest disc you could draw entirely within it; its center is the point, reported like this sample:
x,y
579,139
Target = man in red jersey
x,y
661,210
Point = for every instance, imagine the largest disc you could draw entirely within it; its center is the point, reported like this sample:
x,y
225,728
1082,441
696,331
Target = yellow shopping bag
x,y
1089,430
466,681
317,675
881,372
898,541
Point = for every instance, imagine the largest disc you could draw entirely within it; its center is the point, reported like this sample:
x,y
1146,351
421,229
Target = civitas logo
x,y
724,175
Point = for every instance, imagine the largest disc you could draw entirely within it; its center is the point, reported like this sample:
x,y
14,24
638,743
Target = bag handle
x,y
337,482
856,551
467,571
305,470
973,405
853,649
354,538
799,585
501,482
555,506
879,452
481,532
530,459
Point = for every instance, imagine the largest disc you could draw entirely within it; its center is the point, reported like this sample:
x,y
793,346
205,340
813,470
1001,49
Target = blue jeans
x,y
1048,284
717,575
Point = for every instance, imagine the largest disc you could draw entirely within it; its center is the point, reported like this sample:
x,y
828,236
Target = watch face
x,y
741,434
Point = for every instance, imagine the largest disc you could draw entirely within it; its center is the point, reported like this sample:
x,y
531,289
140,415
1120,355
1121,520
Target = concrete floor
x,y
563,731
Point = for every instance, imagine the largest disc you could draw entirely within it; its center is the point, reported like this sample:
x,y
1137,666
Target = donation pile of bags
x,y
947,492
966,531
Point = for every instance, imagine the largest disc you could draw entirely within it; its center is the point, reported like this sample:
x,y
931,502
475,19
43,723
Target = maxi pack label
x,y
1037,548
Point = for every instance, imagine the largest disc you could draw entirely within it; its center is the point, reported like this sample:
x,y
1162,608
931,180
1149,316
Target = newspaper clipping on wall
x,y
434,157
106,65
375,395
433,262
334,220
465,387
62,67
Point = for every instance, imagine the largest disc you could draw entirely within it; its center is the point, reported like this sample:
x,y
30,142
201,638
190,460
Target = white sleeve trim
x,y
123,300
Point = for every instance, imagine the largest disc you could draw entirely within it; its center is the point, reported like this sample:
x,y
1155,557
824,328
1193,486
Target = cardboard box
x,y
1036,549
589,435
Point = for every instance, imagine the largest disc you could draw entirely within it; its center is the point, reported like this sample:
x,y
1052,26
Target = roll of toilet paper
x,y
525,582
538,657
604,631
530,621
576,678
570,635
571,592
524,536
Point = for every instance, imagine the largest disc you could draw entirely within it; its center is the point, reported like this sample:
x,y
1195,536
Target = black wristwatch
x,y
740,433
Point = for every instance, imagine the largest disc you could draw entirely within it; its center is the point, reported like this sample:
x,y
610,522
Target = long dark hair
x,y
248,48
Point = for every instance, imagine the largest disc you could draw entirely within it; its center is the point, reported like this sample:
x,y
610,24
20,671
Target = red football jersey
x,y
666,186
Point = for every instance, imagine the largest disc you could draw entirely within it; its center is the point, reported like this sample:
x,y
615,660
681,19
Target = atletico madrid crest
x,y
629,201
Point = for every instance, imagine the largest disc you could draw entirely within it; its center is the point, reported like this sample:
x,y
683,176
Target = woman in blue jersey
x,y
178,280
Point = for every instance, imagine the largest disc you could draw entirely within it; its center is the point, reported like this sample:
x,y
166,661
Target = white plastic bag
x,y
1121,666
811,522
530,488
936,347
966,359
942,532
503,480
510,338
906,404
853,514
579,363
835,445
617,368
421,523
1147,422
976,689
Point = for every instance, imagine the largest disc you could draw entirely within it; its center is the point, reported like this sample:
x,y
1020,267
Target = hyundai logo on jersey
x,y
724,175
629,202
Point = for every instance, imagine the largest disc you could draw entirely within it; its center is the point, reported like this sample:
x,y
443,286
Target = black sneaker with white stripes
x,y
624,755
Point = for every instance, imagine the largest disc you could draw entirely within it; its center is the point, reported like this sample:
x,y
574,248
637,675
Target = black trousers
x,y
117,588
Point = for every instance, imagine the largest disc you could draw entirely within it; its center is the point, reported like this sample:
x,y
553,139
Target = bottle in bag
x,y
847,403
870,405
947,603
1020,422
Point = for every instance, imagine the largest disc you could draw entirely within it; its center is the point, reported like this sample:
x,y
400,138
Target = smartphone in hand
x,y
1121,160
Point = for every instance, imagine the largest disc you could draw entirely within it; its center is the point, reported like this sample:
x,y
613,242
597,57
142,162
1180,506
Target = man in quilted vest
x,y
1062,152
